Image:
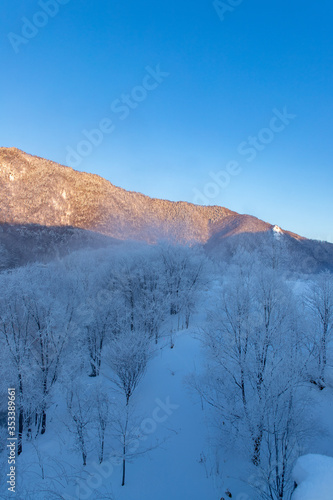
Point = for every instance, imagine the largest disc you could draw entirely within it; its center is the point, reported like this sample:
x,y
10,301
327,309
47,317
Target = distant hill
x,y
47,209
20,244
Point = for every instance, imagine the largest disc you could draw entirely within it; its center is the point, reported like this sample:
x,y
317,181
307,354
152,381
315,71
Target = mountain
x,y
38,191
45,205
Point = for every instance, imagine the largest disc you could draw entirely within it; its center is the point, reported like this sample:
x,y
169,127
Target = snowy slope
x,y
314,477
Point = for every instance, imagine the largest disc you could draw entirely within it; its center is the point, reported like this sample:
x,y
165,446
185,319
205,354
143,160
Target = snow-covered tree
x,y
183,268
255,368
102,419
80,406
51,317
15,337
319,301
127,356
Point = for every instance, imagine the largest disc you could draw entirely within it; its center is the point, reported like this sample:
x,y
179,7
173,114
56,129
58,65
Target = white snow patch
x,y
314,477
11,177
277,232
63,194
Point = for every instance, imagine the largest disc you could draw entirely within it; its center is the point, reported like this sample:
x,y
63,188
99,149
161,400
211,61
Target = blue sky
x,y
224,74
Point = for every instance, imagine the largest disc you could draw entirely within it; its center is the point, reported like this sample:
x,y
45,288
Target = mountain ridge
x,y
34,193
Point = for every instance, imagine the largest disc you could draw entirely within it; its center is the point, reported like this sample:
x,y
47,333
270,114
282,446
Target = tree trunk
x,y
324,357
29,425
101,456
20,427
93,370
124,465
20,431
43,421
257,447
82,443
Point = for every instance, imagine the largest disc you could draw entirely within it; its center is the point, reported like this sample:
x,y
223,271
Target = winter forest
x,y
134,361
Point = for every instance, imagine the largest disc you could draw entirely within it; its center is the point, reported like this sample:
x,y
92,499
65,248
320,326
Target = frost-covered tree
x,y
93,306
140,282
255,368
80,406
183,268
127,356
51,317
243,332
284,422
319,301
98,321
102,419
15,337
151,305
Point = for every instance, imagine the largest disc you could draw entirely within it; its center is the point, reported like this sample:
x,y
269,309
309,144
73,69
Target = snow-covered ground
x,y
314,476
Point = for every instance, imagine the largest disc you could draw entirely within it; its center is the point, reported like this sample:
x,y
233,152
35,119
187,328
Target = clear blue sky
x,y
225,78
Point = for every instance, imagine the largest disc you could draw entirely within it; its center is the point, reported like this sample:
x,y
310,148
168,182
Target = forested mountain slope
x,y
38,191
